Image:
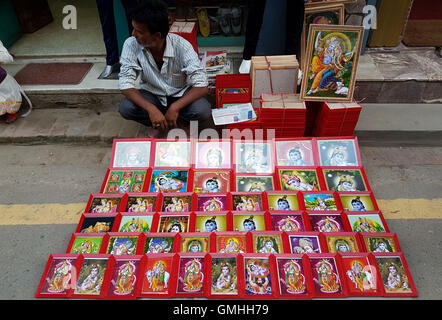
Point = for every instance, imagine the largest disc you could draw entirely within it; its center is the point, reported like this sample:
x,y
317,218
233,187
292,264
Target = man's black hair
x,y
154,14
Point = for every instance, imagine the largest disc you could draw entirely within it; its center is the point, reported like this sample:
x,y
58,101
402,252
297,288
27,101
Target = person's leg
x,y
294,23
253,27
130,111
129,7
106,13
200,110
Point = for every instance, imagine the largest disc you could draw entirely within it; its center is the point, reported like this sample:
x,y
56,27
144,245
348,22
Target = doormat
x,y
52,73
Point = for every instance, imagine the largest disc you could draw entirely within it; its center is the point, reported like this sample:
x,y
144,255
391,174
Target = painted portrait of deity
x,y
331,61
291,276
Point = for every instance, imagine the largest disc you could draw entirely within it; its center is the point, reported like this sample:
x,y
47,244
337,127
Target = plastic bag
x,y
5,57
10,96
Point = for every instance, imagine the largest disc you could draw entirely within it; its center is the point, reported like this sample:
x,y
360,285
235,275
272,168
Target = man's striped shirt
x,y
181,68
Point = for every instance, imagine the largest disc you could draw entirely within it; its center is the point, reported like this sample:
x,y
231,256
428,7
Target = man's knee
x,y
199,110
126,108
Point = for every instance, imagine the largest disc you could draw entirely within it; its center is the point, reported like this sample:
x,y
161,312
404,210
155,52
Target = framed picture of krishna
x,y
331,60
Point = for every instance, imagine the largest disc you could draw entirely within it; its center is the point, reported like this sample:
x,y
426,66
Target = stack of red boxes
x,y
233,84
187,30
283,112
336,119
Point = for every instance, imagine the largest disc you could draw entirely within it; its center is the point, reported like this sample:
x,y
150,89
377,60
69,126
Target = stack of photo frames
x,y
336,118
285,218
283,112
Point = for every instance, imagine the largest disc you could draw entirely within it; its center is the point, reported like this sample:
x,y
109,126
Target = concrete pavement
x,y
379,124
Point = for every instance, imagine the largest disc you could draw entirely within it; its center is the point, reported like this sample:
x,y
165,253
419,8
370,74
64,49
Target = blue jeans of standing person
x,y
200,110
109,29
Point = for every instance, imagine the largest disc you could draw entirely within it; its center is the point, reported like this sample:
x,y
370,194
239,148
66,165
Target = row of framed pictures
x,y
132,180
233,201
243,156
295,221
274,242
212,275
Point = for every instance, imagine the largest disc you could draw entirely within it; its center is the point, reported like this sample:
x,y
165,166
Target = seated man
x,y
173,83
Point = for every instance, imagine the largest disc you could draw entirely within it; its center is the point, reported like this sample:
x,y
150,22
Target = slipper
x,y
203,22
11,117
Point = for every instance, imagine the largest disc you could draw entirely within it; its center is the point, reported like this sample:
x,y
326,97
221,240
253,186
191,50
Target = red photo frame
x,y
248,201
212,221
92,277
124,277
210,180
191,271
224,277
135,222
176,202
118,243
217,154
96,223
246,156
395,274
160,243
232,242
345,178
327,150
156,277
358,201
361,274
343,242
101,203
304,145
259,276
289,221
268,242
251,221
170,180
320,201
56,280
87,243
115,181
174,222
380,242
294,276
194,242
255,182
299,179
328,221
142,202
177,157
291,200
212,202
132,154
366,221
305,242
327,274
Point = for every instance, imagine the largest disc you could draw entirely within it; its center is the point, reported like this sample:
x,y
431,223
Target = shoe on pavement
x,y
245,66
108,70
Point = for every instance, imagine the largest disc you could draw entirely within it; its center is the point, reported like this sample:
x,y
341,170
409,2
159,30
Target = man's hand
x,y
158,119
172,116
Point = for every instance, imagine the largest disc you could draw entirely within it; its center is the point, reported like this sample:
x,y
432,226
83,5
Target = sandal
x,y
11,117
